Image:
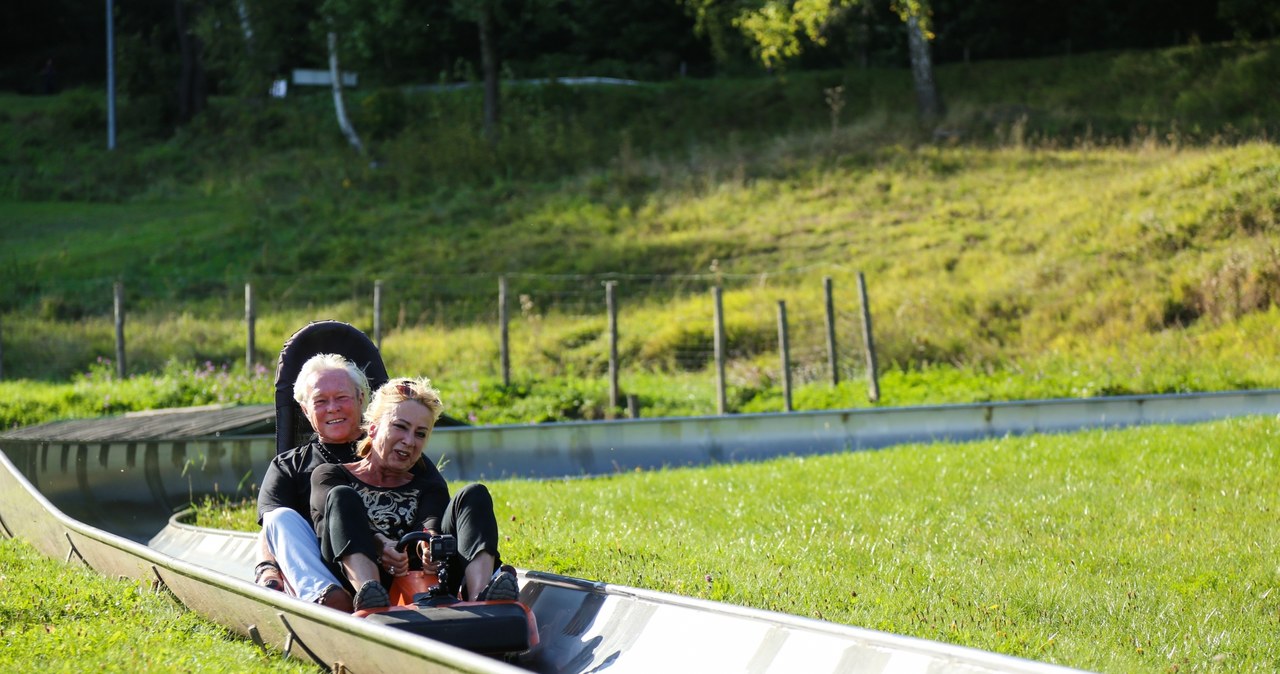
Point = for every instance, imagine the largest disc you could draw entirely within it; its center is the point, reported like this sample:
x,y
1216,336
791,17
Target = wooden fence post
x,y
873,380
784,350
612,307
832,360
119,312
721,401
377,314
249,320
502,326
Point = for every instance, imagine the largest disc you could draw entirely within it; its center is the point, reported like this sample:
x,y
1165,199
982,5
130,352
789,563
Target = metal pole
x,y
1,357
377,314
119,310
784,351
873,380
249,320
502,323
721,401
612,307
111,78
832,360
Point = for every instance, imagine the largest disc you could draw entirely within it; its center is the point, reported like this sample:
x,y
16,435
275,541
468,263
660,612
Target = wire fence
x,y
520,322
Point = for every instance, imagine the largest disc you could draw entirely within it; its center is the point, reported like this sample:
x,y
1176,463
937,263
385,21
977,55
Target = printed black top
x,y
393,511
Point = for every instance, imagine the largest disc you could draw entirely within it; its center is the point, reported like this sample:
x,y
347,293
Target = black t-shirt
x,y
287,483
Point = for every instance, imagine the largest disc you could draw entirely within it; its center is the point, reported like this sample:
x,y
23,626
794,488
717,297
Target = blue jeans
x,y
293,542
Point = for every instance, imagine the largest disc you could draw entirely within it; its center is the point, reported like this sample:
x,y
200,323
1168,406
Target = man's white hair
x,y
327,362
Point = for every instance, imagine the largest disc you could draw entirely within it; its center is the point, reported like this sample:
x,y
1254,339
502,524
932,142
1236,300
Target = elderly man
x,y
332,392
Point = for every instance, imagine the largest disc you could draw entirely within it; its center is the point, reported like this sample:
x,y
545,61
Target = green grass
x,y
56,617
1084,227
976,258
99,392
1237,356
1137,550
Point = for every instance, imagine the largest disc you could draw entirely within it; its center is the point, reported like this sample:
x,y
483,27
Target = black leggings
x,y
468,517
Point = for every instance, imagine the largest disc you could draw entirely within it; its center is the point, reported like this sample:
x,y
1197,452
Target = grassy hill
x,y
1098,224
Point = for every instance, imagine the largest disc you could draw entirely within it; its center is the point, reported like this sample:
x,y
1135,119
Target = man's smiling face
x,y
333,407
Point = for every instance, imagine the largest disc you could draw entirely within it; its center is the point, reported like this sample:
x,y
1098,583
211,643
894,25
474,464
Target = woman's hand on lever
x,y
396,563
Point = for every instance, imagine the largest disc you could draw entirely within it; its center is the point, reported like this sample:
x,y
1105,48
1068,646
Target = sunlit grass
x,y
57,617
1145,549
1238,356
973,257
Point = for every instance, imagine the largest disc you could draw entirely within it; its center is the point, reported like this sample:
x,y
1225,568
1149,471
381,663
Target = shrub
x,y
80,113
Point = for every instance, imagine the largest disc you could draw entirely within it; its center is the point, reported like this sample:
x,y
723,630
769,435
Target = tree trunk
x,y
193,90
927,98
489,66
339,107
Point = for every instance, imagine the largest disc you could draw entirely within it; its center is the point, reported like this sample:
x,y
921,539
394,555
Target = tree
x,y
485,14
928,101
160,64
1251,18
339,103
776,26
249,43
193,86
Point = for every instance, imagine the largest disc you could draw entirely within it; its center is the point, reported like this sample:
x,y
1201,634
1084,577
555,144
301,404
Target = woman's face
x,y
398,440
333,407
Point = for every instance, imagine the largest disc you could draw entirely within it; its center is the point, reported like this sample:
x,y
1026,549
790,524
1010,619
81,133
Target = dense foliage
x,y
242,44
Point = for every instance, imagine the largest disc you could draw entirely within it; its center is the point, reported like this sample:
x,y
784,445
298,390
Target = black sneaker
x,y
371,595
502,587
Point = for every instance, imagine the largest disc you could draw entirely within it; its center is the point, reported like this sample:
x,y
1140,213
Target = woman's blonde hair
x,y
393,393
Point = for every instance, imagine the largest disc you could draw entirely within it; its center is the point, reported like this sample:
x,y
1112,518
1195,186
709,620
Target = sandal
x,y
502,587
268,575
371,595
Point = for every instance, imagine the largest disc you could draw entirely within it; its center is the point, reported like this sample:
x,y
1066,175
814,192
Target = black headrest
x,y
292,428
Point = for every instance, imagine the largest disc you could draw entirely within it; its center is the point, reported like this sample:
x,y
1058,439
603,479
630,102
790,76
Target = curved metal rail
x,y
588,448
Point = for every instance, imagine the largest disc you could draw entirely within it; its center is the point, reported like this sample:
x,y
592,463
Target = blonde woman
x,y
361,509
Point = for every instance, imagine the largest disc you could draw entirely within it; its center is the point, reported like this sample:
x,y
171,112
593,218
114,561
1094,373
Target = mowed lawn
x,y
1137,550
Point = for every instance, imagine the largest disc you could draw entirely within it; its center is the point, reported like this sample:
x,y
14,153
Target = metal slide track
x,y
109,505
584,626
